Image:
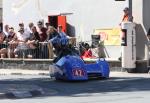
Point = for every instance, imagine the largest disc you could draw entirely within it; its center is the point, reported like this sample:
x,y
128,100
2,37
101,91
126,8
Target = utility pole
x,y
130,6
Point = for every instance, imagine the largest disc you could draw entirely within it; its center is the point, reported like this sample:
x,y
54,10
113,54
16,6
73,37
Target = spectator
x,y
47,25
6,30
42,31
51,32
25,30
12,34
3,45
11,43
61,32
30,27
33,43
35,34
127,15
22,37
21,25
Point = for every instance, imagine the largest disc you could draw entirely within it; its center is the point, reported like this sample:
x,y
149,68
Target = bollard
x,y
128,43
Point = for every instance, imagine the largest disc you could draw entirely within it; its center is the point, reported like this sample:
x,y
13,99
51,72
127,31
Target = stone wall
x,y
42,64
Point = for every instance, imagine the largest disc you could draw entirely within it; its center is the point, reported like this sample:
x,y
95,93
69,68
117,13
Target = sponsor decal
x,y
78,72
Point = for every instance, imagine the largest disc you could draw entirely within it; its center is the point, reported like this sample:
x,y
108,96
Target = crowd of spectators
x,y
28,42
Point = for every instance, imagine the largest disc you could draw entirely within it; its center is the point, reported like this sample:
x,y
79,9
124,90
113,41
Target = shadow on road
x,y
74,89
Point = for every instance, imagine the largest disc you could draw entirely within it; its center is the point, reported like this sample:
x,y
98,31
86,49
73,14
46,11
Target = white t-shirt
x,y
6,33
22,38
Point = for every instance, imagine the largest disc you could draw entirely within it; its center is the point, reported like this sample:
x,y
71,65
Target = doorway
x,y
58,20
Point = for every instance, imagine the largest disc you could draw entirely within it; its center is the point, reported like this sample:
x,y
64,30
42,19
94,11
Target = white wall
x,y
141,16
87,14
1,10
1,3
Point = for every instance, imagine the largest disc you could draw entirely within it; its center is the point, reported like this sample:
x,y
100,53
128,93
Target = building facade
x,y
83,16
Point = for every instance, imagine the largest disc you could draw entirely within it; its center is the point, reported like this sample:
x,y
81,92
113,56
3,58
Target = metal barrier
x,y
36,50
29,50
40,50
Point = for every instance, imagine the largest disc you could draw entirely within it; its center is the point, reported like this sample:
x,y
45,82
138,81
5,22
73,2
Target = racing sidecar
x,y
74,68
70,66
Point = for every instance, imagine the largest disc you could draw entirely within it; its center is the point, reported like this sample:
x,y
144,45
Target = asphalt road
x,y
119,88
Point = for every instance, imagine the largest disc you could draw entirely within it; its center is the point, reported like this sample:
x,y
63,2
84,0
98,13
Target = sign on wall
x,y
110,36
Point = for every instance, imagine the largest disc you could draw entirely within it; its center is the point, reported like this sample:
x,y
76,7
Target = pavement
x,y
19,94
23,72
19,90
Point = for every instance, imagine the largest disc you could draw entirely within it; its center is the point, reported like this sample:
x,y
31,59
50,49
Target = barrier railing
x,y
40,50
29,50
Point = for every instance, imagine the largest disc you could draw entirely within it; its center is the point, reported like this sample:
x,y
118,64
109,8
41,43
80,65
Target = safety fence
x,y
29,49
39,50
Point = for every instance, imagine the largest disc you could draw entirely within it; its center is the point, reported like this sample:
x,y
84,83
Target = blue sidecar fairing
x,y
73,68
